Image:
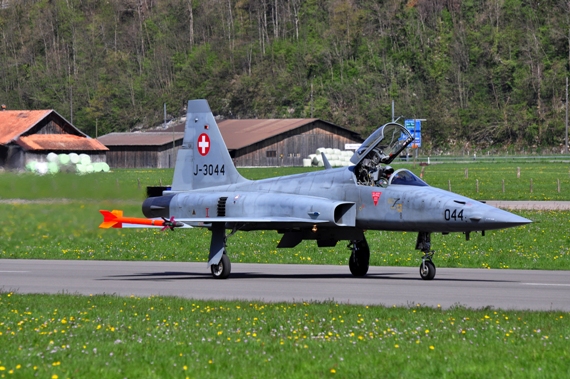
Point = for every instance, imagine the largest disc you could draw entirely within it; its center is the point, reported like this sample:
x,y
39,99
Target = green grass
x,y
131,184
65,336
70,231
545,177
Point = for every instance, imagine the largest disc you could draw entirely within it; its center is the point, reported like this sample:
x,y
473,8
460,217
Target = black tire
x,y
359,260
222,270
427,270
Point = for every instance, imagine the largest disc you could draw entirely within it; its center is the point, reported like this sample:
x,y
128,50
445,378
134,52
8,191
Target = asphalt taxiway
x,y
388,286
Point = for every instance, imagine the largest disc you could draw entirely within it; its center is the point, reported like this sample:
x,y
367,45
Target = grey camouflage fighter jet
x,y
328,206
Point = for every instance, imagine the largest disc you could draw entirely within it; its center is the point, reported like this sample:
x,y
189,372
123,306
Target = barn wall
x,y
12,157
291,147
141,157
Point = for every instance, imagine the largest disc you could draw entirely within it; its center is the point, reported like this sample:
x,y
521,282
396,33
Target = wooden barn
x,y
280,142
32,135
142,150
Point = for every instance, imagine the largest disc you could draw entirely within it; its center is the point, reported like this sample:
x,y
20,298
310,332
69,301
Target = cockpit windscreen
x,y
406,178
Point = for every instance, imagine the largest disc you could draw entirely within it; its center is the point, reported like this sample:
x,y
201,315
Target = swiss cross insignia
x,y
203,144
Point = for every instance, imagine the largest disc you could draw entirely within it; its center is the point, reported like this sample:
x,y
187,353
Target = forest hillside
x,y
485,74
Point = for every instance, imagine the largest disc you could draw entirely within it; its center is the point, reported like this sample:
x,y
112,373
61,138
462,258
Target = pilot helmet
x,y
388,170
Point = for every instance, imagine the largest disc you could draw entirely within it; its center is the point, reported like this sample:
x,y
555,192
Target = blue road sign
x,y
415,128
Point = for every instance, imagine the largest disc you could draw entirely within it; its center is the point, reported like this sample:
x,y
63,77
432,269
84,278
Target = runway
x,y
388,286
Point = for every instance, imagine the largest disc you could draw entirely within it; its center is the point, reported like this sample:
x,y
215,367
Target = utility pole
x,y
566,135
312,97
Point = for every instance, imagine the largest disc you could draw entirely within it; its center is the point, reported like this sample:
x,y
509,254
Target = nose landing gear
x,y
427,268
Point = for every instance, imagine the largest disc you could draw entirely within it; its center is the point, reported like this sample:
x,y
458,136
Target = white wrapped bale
x,y
41,168
321,150
31,166
52,157
84,159
74,158
307,162
64,159
53,167
105,166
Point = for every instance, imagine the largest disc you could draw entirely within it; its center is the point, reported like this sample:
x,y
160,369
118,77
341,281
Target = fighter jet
x,y
328,206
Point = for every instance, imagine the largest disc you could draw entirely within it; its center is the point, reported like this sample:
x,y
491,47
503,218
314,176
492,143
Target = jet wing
x,y
385,143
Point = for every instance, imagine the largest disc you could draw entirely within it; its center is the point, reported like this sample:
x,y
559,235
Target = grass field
x,y
70,231
131,184
67,336
64,336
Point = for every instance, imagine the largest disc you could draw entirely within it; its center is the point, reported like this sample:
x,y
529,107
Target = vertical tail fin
x,y
203,160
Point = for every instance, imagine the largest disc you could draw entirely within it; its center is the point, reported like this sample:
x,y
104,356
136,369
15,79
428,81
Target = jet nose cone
x,y
499,219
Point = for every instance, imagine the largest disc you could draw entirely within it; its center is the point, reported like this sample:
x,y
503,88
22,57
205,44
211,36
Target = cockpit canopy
x,y
374,155
384,145
406,178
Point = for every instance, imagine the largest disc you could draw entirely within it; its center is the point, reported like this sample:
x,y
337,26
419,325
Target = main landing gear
x,y
218,260
223,268
427,268
360,257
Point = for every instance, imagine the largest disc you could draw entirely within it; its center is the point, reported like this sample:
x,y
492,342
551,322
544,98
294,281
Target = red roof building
x,y
31,135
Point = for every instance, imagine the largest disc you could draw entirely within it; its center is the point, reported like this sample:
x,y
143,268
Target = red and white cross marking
x,y
203,144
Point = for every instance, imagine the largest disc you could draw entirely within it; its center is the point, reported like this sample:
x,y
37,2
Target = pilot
x,y
388,171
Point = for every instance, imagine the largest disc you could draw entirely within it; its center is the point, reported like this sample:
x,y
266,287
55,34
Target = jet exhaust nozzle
x,y
158,206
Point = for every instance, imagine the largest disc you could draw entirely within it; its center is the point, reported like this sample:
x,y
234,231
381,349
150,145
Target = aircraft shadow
x,y
185,275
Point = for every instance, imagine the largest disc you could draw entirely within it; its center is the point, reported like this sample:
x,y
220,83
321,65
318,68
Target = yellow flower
x,y
431,347
333,371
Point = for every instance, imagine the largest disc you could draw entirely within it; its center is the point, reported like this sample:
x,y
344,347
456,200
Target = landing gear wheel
x,y
222,270
427,270
359,259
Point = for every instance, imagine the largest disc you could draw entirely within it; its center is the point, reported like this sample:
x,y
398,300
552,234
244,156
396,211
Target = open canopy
x,y
385,143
